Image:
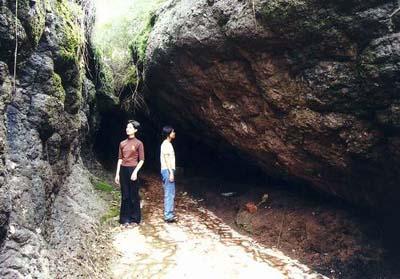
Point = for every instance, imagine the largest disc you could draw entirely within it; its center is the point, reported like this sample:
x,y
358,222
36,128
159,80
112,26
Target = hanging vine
x,y
252,5
254,14
397,10
16,47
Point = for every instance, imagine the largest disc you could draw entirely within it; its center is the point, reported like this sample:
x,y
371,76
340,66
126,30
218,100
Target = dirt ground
x,y
199,245
327,235
308,231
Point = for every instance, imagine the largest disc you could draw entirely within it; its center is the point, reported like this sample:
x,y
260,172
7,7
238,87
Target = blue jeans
x,y
169,195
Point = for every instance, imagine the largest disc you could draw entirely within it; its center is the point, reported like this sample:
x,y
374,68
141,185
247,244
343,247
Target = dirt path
x,y
200,245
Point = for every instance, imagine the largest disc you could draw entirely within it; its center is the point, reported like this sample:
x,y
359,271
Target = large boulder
x,y
308,90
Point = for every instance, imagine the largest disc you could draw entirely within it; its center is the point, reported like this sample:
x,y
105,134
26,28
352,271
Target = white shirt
x,y
167,155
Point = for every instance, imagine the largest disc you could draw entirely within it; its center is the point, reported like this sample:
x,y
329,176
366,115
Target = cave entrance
x,y
194,157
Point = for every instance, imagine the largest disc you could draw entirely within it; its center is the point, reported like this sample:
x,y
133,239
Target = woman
x,y
130,161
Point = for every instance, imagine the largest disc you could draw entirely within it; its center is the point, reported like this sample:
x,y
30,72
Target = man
x,y
130,161
167,159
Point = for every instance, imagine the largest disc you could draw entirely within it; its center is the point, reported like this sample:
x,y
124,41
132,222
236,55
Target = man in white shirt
x,y
167,159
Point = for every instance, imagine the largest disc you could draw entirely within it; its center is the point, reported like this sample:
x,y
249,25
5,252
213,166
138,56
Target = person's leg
x,y
136,214
171,201
125,201
169,195
131,197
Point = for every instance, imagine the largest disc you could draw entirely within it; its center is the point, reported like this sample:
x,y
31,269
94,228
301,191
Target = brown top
x,y
131,151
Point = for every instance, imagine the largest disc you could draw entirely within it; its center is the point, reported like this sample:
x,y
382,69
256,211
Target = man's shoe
x,y
172,220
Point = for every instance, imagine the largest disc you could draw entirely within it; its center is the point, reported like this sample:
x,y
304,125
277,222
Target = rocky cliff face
x,y
44,192
307,90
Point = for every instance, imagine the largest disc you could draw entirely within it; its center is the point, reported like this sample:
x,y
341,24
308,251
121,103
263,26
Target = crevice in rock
x,y
4,220
107,138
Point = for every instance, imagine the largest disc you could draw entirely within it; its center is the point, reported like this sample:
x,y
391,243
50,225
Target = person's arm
x,y
117,172
136,170
170,170
118,165
140,164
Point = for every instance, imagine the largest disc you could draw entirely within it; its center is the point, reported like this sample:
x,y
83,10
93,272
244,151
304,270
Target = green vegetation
x,y
112,213
73,40
120,38
32,16
103,186
114,198
106,99
37,21
58,89
109,193
139,43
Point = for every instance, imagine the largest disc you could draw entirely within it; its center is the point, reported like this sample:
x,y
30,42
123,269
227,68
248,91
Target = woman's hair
x,y
134,123
166,131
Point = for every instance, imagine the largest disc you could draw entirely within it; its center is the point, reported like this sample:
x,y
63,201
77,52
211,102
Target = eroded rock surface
x,y
42,126
307,90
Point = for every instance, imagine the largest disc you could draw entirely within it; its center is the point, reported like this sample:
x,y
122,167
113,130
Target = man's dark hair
x,y
166,131
134,123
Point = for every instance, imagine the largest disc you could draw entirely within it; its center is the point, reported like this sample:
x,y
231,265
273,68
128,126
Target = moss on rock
x,y
73,100
294,19
72,35
59,91
36,19
139,43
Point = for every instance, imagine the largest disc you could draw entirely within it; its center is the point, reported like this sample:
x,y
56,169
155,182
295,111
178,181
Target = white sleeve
x,y
162,151
170,149
166,149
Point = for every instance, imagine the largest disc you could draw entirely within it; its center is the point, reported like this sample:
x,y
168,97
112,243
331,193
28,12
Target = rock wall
x,y
308,90
42,126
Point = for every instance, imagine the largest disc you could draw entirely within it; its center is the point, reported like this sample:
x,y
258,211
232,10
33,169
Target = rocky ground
x,y
284,235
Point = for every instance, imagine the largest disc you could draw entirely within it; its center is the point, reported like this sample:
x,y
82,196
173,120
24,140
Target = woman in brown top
x,y
130,160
